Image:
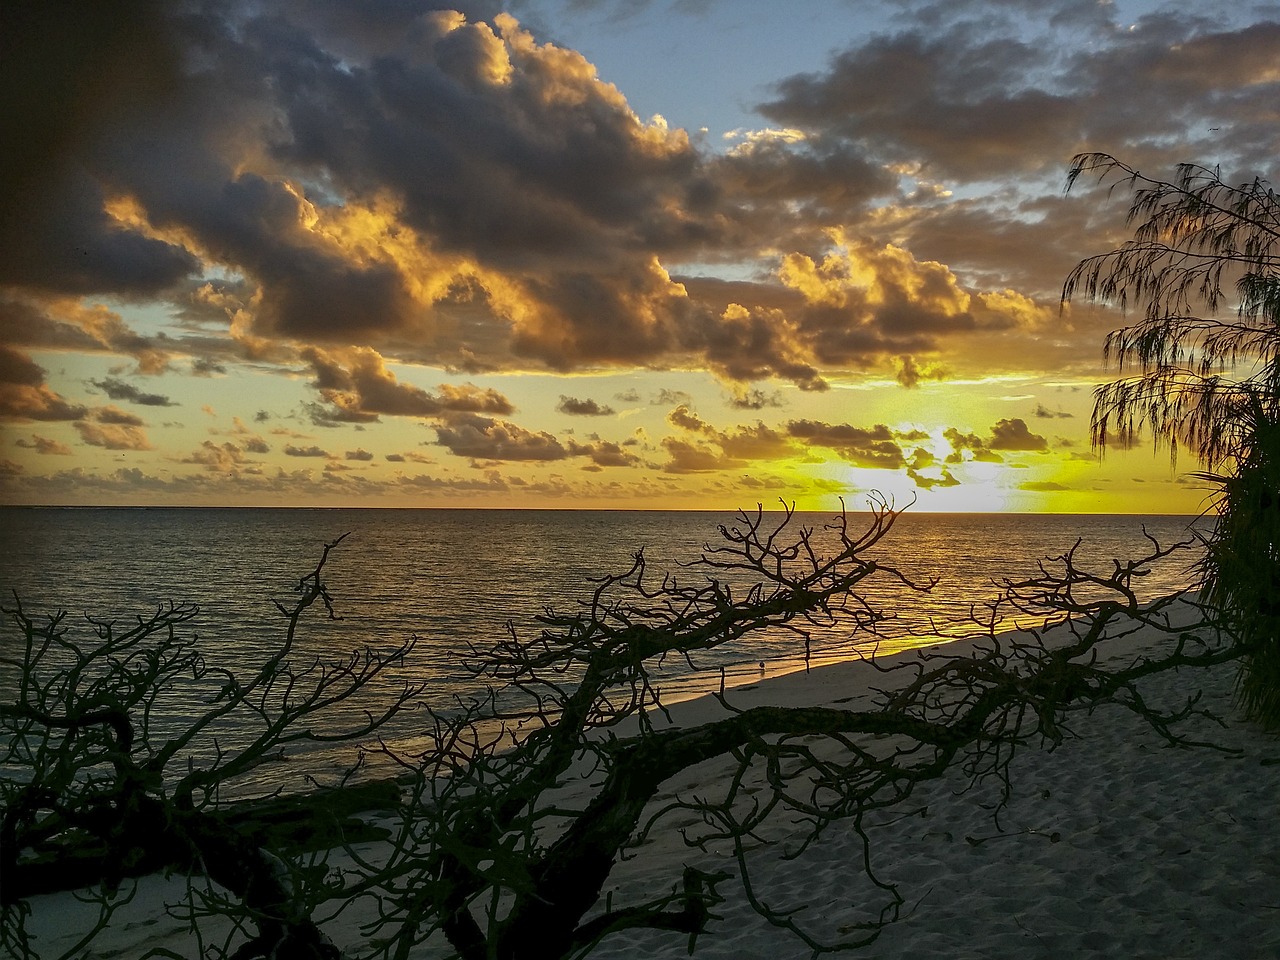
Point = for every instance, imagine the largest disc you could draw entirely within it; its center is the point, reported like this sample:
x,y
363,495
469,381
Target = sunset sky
x,y
588,253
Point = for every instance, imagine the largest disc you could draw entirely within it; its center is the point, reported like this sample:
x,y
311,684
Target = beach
x,y
1114,844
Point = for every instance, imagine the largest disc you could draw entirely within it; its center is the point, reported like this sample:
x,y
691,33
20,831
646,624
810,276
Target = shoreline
x,y
1112,844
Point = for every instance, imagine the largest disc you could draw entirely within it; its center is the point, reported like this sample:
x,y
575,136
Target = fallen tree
x,y
523,801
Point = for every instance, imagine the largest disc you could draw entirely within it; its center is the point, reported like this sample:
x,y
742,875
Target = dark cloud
x,y
362,455
583,408
1042,486
755,399
482,438
876,447
40,323
113,429
789,184
43,445
910,372
977,448
667,396
24,395
71,77
717,449
691,457
604,453
206,367
1014,435
1007,435
221,458
925,471
117,416
357,388
292,450
962,98
1044,413
958,100
120,390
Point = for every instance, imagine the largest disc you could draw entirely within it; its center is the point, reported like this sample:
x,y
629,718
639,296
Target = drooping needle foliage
x,y
1201,370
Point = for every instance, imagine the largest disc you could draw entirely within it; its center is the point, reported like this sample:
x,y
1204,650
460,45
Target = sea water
x,y
457,580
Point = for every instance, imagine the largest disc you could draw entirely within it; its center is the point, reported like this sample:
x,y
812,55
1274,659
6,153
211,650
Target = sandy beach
x,y
1112,845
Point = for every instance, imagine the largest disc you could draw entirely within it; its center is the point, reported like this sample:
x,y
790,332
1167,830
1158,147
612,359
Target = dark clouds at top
x,y
448,189
966,104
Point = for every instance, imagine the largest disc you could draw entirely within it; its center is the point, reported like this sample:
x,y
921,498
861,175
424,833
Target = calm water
x,y
456,576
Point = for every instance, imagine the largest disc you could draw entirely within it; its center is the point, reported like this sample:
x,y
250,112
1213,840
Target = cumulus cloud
x,y
24,395
484,438
755,399
604,453
975,103
293,450
360,192
583,408
716,449
877,446
926,472
113,429
357,387
1013,434
1007,435
222,458
43,445
488,202
120,390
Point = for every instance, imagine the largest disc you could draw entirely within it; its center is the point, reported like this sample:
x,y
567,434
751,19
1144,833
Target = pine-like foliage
x,y
1201,371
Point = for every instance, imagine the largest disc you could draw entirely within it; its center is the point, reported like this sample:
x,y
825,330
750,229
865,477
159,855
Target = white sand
x,y
1160,853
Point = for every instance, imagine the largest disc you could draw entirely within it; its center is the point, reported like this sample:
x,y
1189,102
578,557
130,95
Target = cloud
x,y
1044,413
667,396
691,457
113,429
292,450
252,442
43,445
120,390
1042,486
362,455
755,399
483,438
910,372
222,458
1014,435
604,453
717,449
876,447
981,93
1007,435
25,396
583,408
357,388
925,471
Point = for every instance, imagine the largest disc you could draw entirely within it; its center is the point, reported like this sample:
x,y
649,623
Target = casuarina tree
x,y
1200,369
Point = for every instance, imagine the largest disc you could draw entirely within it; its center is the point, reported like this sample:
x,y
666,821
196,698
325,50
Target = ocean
x,y
457,578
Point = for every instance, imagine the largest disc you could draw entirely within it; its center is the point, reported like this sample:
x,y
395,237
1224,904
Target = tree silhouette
x,y
102,781
517,805
1204,268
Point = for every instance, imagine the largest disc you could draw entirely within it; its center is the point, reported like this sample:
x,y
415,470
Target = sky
x,y
674,254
